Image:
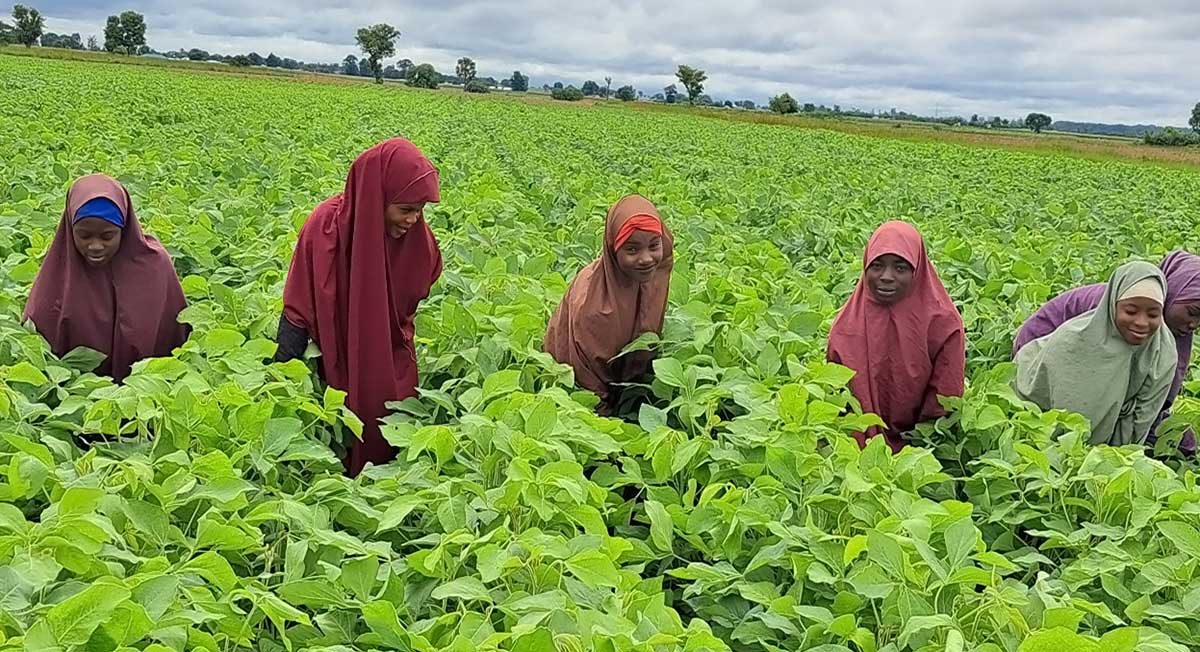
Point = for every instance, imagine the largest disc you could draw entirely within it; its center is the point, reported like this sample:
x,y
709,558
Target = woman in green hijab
x,y
1114,365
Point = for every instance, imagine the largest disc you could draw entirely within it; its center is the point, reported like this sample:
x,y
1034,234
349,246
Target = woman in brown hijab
x,y
105,284
614,300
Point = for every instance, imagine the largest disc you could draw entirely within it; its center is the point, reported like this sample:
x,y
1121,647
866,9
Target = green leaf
x,y
1057,640
381,618
360,576
885,551
670,372
500,384
156,595
662,530
26,373
213,568
594,569
314,593
960,542
220,341
72,621
854,548
1184,536
463,588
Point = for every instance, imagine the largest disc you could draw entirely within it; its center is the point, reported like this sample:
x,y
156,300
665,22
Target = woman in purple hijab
x,y
1182,316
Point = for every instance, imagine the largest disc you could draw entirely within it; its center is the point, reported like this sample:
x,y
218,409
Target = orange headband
x,y
642,222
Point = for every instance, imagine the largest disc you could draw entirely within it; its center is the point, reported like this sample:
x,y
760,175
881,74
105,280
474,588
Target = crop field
x,y
201,505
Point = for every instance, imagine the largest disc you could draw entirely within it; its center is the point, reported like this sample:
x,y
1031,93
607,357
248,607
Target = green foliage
x,y
1171,137
1194,121
568,94
784,104
125,33
423,76
28,24
477,86
693,81
201,506
378,42
590,88
626,94
519,83
1037,122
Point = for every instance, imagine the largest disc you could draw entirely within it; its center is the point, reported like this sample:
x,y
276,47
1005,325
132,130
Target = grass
x,y
1090,146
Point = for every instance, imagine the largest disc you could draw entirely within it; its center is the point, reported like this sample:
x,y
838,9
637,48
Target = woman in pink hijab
x,y
105,284
901,334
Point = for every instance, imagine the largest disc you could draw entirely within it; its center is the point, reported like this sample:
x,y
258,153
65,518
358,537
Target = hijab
x,y
1085,366
907,354
355,290
128,309
604,310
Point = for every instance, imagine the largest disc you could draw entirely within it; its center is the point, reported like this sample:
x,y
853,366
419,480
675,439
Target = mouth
x,y
96,260
1137,337
645,271
886,293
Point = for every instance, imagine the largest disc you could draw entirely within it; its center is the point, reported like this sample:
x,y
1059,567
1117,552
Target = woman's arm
x,y
948,378
292,340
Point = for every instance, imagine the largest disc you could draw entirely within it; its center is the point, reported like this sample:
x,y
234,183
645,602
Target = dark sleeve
x,y
292,340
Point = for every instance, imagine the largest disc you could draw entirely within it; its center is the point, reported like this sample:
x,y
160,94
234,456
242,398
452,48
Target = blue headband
x,y
103,208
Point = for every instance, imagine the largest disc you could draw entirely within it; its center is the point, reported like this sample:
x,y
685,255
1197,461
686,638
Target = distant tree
x,y
290,64
546,87
749,105
670,94
256,59
378,42
194,54
729,104
703,100
784,104
1194,122
423,76
273,61
28,24
837,108
607,86
364,68
477,86
403,66
557,86
659,97
465,70
93,44
590,88
809,107
626,94
240,60
350,65
6,34
693,80
390,72
72,42
568,94
125,33
520,83
1037,122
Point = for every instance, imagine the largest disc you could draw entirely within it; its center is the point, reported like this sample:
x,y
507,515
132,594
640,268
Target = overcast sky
x,y
1087,60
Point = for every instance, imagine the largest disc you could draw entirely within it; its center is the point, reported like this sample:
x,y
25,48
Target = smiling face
x,y
96,240
1137,319
399,218
888,279
640,255
1182,317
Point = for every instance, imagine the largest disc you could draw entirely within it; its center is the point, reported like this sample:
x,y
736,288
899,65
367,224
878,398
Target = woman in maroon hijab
x,y
105,284
364,261
901,334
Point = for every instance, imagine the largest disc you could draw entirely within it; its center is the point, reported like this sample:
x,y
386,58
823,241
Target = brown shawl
x,y
128,310
604,310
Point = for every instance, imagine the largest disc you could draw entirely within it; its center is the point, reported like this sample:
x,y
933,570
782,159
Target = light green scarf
x,y
1085,366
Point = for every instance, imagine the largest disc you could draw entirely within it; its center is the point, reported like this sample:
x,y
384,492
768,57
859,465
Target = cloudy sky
x,y
1088,60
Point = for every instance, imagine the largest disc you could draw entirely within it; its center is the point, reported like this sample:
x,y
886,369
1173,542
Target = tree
x,y
240,60
520,83
256,59
784,104
194,54
423,76
72,42
28,24
1037,122
607,86
749,105
364,68
1194,122
6,34
350,65
568,94
273,61
378,42
809,107
693,81
590,88
626,94
93,44
558,86
403,66
465,70
670,94
477,86
125,33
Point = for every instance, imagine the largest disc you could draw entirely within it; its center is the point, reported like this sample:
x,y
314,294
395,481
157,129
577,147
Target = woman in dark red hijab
x,y
104,284
901,334
364,261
